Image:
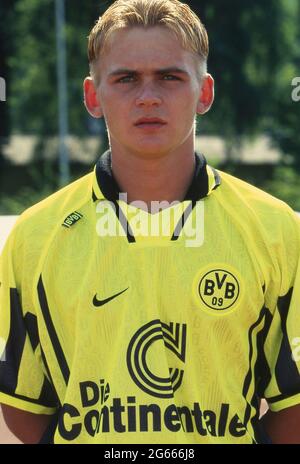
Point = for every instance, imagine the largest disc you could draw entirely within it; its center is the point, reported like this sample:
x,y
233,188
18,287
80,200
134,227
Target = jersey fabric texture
x,y
133,327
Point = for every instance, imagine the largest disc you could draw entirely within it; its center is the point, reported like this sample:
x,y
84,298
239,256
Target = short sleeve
x,y
282,345
24,383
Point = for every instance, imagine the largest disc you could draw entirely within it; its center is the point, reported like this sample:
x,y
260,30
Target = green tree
x,y
284,123
6,47
250,44
34,105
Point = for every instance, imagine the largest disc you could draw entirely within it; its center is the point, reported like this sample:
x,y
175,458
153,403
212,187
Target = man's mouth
x,y
150,122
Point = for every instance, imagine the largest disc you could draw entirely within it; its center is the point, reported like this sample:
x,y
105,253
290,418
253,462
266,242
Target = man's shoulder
x,y
251,196
41,219
257,208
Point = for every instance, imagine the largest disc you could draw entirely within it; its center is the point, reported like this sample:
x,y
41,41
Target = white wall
x,y
6,223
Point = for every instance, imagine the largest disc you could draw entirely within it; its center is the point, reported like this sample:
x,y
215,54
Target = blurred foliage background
x,y
254,56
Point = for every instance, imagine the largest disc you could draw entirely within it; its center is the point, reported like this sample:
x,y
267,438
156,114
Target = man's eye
x,y
125,79
170,77
129,79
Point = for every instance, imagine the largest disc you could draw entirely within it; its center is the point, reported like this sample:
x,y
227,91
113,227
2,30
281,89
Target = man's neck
x,y
162,179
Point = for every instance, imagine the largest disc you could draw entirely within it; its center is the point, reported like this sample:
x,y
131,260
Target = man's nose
x,y
148,96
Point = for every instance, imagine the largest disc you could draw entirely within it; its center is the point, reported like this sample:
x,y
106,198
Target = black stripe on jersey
x,y
50,377
277,398
262,375
124,223
182,220
19,327
32,329
52,333
260,363
48,395
262,370
14,348
48,402
286,372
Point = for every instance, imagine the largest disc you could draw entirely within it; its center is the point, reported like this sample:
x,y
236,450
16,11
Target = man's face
x,y
149,91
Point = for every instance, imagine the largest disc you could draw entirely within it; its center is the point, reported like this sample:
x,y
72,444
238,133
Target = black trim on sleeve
x,y
256,371
62,362
262,374
20,327
262,369
286,372
276,399
48,395
32,329
9,368
50,378
48,403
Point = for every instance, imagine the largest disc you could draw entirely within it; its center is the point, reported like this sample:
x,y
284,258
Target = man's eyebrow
x,y
173,69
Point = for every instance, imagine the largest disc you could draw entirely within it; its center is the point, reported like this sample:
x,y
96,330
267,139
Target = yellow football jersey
x,y
168,328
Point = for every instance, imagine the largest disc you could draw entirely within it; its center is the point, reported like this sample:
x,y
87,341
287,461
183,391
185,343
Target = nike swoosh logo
x,y
99,303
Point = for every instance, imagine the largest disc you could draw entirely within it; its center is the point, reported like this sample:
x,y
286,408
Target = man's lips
x,y
150,122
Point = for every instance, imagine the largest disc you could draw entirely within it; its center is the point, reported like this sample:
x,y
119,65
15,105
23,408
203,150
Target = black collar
x,y
204,181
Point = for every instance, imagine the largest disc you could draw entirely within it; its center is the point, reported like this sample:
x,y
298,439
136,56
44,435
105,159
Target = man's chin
x,y
151,150
151,153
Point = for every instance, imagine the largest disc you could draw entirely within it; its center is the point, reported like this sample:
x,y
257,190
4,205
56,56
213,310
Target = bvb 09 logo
x,y
219,289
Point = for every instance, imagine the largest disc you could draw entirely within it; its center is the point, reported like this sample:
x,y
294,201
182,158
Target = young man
x,y
129,321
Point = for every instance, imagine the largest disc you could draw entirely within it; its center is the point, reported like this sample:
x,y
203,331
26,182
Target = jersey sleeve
x,y
23,379
282,345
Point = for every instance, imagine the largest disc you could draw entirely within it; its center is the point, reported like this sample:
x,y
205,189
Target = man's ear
x,y
207,95
91,101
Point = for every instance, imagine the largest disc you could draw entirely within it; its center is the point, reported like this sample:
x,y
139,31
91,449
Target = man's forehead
x,y
139,42
134,32
150,61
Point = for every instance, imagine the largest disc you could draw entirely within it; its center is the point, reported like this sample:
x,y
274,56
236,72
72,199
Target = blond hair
x,y
172,14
